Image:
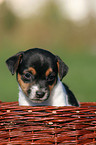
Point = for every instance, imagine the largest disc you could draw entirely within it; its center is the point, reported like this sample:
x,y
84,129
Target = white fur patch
x,y
58,97
33,89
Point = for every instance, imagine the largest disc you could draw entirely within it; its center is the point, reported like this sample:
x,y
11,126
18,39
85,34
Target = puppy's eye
x,y
27,76
51,78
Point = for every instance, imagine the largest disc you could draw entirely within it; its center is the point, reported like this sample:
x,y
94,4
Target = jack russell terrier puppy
x,y
39,74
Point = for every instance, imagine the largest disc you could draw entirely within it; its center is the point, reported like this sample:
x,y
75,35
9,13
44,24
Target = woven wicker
x,y
47,125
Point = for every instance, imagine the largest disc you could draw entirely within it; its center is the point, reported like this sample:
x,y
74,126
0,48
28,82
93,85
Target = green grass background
x,y
76,45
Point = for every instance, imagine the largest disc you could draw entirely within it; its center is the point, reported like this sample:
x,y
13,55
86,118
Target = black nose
x,y
40,94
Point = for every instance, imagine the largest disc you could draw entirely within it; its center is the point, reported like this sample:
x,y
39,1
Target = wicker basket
x,y
47,125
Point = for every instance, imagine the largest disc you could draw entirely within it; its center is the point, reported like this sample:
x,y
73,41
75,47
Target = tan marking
x,y
24,86
48,71
58,65
31,69
51,86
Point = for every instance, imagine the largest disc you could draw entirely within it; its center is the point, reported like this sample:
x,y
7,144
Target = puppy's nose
x,y
40,94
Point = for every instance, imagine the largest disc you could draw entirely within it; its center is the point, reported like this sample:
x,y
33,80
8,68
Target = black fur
x,y
63,68
13,62
71,98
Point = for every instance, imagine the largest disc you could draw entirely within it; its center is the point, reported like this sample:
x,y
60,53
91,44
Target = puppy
x,y
39,74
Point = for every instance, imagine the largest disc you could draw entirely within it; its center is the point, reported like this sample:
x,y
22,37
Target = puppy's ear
x,y
13,62
62,68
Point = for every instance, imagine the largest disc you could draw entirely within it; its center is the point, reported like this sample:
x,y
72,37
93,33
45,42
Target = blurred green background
x,y
74,42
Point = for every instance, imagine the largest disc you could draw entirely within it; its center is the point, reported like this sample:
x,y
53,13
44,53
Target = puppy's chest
x,y
59,96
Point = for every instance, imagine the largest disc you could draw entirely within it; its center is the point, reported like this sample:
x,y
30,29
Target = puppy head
x,y
37,72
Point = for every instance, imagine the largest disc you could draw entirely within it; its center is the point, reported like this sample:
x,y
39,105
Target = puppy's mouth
x,y
38,100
